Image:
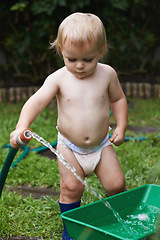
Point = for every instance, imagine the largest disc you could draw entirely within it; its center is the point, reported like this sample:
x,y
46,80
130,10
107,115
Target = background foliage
x,y
131,25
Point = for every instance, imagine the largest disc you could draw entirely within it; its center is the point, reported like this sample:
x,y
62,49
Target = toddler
x,y
85,89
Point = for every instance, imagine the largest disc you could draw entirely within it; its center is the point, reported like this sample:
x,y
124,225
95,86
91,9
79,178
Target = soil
x,y
48,154
36,193
142,129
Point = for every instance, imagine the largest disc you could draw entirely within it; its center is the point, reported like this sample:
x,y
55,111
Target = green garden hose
x,y
6,167
22,140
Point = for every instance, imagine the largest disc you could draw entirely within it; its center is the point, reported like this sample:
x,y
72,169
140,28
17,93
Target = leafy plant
x,y
131,31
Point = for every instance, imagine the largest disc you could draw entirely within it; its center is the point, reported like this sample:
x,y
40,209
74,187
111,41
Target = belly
x,y
85,133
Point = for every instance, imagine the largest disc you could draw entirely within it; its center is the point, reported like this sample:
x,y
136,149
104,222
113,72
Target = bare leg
x,y
110,173
71,187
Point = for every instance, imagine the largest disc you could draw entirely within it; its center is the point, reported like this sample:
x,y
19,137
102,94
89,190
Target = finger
x,y
14,145
113,137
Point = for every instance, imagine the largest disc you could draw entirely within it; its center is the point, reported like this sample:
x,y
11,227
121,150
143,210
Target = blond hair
x,y
81,28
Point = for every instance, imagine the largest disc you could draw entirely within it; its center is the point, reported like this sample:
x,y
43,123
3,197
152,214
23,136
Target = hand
x,y
13,138
118,136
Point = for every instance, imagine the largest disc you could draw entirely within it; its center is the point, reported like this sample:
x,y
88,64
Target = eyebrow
x,y
67,55
85,58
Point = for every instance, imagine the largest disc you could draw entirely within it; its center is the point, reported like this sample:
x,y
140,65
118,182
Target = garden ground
x,y
34,212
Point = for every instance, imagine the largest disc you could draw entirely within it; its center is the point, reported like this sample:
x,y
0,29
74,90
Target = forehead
x,y
79,52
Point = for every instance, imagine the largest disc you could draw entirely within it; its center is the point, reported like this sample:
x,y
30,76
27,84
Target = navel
x,y
87,139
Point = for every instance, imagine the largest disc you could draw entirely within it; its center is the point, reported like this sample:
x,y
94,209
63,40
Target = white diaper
x,y
88,158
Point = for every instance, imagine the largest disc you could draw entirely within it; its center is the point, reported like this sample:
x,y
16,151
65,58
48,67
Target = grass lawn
x,y
20,216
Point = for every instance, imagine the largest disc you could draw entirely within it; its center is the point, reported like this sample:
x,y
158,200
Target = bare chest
x,y
83,92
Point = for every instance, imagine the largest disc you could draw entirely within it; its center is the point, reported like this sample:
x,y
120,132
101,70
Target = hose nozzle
x,y
24,137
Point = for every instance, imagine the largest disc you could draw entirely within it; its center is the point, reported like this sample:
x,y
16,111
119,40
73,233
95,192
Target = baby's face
x,y
80,62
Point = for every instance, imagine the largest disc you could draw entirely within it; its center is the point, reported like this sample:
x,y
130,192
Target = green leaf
x,y
18,7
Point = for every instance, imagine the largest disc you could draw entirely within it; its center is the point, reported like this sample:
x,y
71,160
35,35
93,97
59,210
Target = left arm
x,y
119,108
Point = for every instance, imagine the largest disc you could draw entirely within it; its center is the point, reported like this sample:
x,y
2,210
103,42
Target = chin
x,y
80,76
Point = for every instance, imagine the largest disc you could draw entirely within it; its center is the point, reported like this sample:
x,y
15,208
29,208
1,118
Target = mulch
x,y
36,193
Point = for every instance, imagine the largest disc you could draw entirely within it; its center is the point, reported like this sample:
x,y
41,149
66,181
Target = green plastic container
x,y
139,208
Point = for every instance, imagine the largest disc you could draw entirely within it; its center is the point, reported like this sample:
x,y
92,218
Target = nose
x,y
79,65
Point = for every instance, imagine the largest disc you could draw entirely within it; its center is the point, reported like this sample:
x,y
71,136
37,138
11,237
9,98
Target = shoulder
x,y
107,68
108,71
55,77
57,74
53,81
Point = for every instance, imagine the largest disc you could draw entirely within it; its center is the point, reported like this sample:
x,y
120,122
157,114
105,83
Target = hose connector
x,y
24,137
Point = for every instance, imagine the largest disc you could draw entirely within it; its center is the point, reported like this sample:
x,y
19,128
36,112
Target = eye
x,y
88,60
71,60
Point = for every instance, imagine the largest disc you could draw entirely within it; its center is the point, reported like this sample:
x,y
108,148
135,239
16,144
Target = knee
x,y
73,186
117,186
71,189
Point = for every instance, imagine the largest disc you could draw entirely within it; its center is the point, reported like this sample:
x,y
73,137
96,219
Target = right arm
x,y
34,106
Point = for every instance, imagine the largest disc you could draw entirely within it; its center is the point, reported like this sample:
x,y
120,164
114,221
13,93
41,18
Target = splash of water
x,y
73,170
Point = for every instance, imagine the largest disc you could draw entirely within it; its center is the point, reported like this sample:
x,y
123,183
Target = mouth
x,y
80,72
